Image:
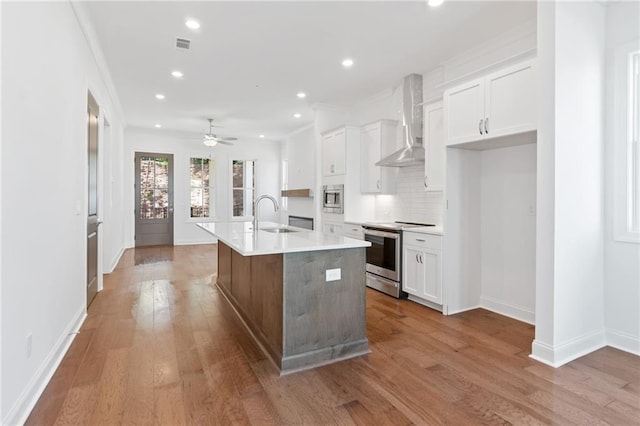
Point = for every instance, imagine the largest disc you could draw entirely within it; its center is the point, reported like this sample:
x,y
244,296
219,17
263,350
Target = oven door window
x,y
382,252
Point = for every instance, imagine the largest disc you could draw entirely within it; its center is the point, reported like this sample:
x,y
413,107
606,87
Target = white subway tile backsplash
x,y
411,202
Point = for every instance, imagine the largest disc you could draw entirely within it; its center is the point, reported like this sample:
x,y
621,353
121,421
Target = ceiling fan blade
x,y
224,142
228,139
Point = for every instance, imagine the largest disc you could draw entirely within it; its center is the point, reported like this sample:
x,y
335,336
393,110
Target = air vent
x,y
183,43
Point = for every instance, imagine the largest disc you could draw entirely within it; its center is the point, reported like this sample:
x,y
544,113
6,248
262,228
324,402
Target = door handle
x,y
98,223
480,126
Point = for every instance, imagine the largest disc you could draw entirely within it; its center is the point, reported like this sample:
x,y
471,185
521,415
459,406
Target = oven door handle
x,y
383,234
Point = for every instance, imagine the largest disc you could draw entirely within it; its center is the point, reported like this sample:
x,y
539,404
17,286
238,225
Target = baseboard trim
x,y
508,310
447,311
20,411
115,261
623,341
558,355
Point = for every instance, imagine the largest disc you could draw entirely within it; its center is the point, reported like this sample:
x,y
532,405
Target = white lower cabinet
x,y
353,230
422,266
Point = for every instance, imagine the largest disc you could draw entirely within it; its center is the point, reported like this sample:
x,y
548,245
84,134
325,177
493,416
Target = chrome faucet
x,y
255,209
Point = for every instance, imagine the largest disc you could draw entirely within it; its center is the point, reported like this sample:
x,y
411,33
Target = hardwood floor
x,y
160,346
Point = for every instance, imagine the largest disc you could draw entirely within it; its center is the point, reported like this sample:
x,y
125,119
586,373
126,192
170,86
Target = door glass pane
x,y
162,172
146,204
147,175
161,203
238,174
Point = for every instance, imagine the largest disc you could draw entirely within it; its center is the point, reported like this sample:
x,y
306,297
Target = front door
x,y
92,217
154,199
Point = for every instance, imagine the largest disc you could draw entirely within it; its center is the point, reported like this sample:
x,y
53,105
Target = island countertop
x,y
242,238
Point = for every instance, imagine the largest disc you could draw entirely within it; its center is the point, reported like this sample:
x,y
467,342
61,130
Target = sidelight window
x,y
243,187
201,189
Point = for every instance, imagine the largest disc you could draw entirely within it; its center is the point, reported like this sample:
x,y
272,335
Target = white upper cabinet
x,y
377,140
434,147
501,104
334,152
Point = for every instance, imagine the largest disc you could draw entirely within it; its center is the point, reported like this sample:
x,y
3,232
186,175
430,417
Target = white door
x,y
434,145
510,101
92,213
464,109
369,156
432,287
413,274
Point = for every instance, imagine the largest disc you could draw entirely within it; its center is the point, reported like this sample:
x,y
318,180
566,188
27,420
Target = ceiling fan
x,y
210,139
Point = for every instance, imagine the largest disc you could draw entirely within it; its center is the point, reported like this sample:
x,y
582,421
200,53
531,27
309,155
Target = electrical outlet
x,y
29,344
333,274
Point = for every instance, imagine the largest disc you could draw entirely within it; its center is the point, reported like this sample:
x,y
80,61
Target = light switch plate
x,y
333,274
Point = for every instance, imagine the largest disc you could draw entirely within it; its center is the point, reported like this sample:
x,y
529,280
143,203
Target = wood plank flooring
x,y
160,346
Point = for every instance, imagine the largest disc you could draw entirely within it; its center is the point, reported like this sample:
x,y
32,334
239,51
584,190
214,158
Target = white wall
x,y
266,154
297,150
45,79
570,270
508,231
621,259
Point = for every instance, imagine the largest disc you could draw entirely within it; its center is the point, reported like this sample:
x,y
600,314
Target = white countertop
x,y
433,230
241,237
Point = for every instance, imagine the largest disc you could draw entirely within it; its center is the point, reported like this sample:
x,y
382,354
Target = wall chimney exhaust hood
x,y
412,153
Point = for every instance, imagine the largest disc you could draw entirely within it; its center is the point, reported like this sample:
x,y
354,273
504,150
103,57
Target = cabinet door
x,y
412,271
464,112
432,281
333,153
369,155
327,154
434,146
510,101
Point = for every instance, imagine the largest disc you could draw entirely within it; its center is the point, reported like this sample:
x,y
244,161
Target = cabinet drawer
x,y
433,242
353,231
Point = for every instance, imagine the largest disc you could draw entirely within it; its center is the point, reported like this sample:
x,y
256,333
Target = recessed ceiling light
x,y
159,96
301,95
297,115
261,136
158,125
435,3
347,63
177,74
194,25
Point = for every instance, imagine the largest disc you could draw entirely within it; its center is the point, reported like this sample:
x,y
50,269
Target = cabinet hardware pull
x,y
421,259
486,125
378,184
425,183
480,126
417,258
333,168
420,239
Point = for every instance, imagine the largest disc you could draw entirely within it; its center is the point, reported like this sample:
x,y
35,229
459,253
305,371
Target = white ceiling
x,y
249,59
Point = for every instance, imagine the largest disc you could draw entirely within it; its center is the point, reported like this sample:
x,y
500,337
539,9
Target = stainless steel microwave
x,y
333,199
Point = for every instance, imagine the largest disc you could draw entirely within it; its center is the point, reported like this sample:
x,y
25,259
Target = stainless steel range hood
x,y
412,153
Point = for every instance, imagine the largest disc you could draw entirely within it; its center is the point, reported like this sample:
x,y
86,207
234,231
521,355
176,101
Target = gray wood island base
x,y
300,319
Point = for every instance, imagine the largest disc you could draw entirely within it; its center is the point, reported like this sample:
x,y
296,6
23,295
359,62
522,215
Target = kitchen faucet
x,y
255,209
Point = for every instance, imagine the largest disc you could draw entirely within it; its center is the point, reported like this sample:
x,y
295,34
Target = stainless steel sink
x,y
279,230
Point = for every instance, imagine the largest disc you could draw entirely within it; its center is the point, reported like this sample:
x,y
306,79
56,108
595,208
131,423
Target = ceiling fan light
x,y
209,140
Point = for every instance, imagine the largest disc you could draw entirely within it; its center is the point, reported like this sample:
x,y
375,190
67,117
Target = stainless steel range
x,y
384,256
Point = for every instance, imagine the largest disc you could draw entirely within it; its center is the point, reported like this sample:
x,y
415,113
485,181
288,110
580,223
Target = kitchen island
x,y
300,293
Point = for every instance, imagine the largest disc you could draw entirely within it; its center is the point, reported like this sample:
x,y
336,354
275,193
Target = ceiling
x,y
249,59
